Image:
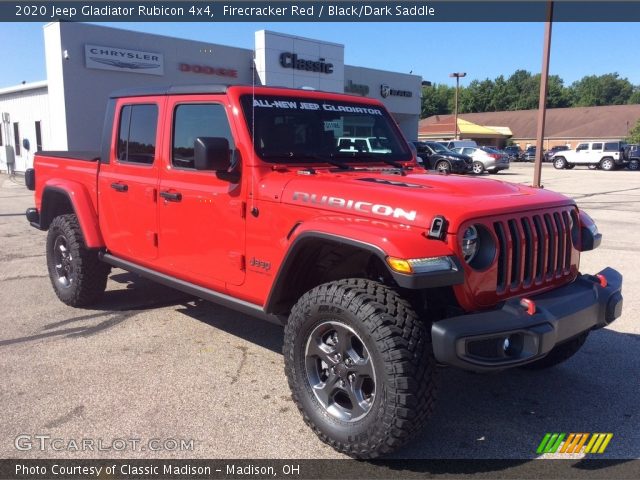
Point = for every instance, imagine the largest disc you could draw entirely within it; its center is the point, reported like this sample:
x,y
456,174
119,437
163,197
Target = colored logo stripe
x,y
598,442
550,443
575,441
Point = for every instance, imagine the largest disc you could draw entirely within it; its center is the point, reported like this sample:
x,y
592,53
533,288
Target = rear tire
x,y
478,168
607,164
559,353
360,366
78,277
559,163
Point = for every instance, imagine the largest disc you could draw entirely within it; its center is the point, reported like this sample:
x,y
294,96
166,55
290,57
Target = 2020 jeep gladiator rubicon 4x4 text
x,y
378,270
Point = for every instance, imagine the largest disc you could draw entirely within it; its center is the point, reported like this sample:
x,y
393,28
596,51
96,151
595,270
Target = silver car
x,y
485,159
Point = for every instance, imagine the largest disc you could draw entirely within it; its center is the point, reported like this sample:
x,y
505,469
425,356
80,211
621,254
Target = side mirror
x,y
211,153
25,144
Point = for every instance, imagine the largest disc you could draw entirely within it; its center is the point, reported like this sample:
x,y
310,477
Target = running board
x,y
192,289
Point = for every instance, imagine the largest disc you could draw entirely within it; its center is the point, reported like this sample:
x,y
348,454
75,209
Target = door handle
x,y
120,187
171,197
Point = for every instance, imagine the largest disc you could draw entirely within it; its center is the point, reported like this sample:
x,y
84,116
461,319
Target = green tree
x,y
608,89
436,100
634,133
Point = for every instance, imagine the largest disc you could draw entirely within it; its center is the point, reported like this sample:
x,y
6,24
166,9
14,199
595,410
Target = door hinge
x,y
237,260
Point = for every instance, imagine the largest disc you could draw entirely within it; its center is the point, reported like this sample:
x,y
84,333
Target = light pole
x,y
457,76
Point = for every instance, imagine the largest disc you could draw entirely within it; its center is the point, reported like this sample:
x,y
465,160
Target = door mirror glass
x,y
212,153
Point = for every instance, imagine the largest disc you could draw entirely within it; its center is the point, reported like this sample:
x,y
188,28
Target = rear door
x,y
595,152
127,185
201,215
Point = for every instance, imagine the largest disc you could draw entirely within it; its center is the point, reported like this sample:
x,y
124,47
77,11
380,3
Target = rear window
x,y
612,147
137,133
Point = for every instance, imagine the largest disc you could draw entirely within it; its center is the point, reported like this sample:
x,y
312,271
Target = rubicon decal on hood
x,y
359,206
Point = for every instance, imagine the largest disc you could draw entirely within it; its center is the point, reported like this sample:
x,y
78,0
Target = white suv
x,y
604,154
363,144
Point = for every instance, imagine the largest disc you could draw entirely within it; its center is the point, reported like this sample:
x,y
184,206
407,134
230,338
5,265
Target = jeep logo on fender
x,y
364,207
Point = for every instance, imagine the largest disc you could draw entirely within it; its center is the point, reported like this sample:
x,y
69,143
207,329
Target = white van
x,y
451,144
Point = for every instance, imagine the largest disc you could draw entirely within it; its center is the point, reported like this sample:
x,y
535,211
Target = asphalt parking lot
x,y
152,363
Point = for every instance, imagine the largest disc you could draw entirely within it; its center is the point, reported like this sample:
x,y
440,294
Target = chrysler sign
x,y
123,60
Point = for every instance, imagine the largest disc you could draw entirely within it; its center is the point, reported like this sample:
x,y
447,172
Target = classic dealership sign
x,y
123,60
291,60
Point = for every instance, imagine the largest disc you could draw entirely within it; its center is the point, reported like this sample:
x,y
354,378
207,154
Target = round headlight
x,y
470,244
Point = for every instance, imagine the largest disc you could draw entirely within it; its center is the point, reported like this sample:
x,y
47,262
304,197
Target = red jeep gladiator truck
x,y
379,270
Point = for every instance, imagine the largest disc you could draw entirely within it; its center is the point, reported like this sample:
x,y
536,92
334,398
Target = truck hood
x,y
416,198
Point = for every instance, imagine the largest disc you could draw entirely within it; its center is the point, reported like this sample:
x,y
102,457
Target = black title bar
x,y
318,11
161,469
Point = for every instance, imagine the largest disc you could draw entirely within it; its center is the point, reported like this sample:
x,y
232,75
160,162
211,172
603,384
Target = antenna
x,y
253,133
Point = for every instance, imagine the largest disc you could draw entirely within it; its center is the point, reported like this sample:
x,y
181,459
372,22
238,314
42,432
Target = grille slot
x,y
532,249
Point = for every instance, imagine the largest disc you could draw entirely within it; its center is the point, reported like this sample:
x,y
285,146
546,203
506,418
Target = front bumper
x,y
510,336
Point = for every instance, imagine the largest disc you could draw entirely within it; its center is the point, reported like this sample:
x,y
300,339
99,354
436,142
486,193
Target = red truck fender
x,y
63,196
401,241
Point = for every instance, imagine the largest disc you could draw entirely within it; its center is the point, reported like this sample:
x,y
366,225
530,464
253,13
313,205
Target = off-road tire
x,y
559,353
87,275
399,347
634,164
559,163
478,168
443,166
607,164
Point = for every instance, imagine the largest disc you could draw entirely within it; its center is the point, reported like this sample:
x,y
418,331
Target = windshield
x,y
294,129
438,148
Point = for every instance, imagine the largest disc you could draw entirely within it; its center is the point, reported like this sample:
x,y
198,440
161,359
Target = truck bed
x,y
87,155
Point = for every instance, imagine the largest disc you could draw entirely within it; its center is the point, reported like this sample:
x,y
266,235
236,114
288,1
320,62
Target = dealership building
x,y
85,63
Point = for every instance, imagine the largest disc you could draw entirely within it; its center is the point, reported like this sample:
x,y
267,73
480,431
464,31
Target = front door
x,y
128,183
202,225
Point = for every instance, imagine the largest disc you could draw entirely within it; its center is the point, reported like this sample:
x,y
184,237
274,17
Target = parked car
x,y
436,157
632,156
485,159
530,154
514,152
548,155
451,144
607,155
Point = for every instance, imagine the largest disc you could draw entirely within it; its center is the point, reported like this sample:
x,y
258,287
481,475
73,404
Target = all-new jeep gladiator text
x,y
379,270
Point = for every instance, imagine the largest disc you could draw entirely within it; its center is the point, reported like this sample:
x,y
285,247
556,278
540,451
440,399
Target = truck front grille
x,y
533,249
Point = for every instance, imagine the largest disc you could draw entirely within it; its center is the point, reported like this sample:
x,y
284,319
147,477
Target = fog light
x,y
513,344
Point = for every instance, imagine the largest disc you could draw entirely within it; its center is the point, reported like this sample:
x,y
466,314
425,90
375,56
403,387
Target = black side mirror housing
x,y
25,144
212,153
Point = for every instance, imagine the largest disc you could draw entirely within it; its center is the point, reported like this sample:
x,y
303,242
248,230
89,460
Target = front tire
x,y
78,277
360,366
443,167
634,165
559,353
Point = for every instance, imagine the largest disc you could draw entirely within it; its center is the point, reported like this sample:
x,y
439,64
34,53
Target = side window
x,y
612,147
596,146
468,151
137,134
191,121
16,138
582,146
